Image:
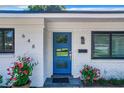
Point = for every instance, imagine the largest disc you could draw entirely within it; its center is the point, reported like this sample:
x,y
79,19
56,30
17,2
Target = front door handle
x,y
70,54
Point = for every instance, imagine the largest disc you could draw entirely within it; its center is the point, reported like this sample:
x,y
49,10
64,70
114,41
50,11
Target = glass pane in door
x,y
61,64
61,39
62,52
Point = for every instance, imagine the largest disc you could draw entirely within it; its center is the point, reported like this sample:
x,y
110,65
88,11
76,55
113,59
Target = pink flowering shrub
x,y
90,74
21,70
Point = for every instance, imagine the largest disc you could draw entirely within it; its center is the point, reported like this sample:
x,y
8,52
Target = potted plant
x,y
20,72
1,79
89,74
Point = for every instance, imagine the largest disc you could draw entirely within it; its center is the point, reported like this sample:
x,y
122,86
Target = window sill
x,y
7,55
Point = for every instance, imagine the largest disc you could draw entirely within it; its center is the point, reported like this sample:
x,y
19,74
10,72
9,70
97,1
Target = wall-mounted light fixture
x,y
82,40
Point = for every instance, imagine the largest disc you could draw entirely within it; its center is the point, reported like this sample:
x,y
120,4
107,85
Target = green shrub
x,y
102,81
1,79
116,82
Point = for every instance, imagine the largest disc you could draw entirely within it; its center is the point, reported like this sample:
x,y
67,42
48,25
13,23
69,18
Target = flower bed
x,y
106,83
90,77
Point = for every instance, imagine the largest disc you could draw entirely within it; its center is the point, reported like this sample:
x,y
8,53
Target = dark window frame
x,y
3,32
110,43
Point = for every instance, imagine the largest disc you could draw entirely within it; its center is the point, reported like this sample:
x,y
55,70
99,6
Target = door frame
x,y
71,53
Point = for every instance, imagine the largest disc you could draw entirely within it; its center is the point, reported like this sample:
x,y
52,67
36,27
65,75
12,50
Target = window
x,y
108,45
118,45
6,40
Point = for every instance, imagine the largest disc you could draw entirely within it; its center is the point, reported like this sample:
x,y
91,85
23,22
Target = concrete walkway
x,y
73,82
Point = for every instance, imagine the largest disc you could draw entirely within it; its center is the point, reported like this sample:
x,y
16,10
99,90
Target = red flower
x,y
20,65
25,72
12,68
14,78
85,69
29,59
89,67
94,71
20,71
81,72
9,73
95,79
16,63
8,69
11,78
88,77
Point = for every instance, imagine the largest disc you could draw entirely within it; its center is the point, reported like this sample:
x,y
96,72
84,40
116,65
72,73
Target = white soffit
x,y
64,15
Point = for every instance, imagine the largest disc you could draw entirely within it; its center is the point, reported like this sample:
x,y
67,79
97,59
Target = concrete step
x,y
73,82
62,76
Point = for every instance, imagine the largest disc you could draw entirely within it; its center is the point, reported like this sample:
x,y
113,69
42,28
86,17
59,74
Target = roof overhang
x,y
63,15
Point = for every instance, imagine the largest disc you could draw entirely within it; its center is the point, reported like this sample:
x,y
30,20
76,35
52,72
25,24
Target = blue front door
x,y
62,53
